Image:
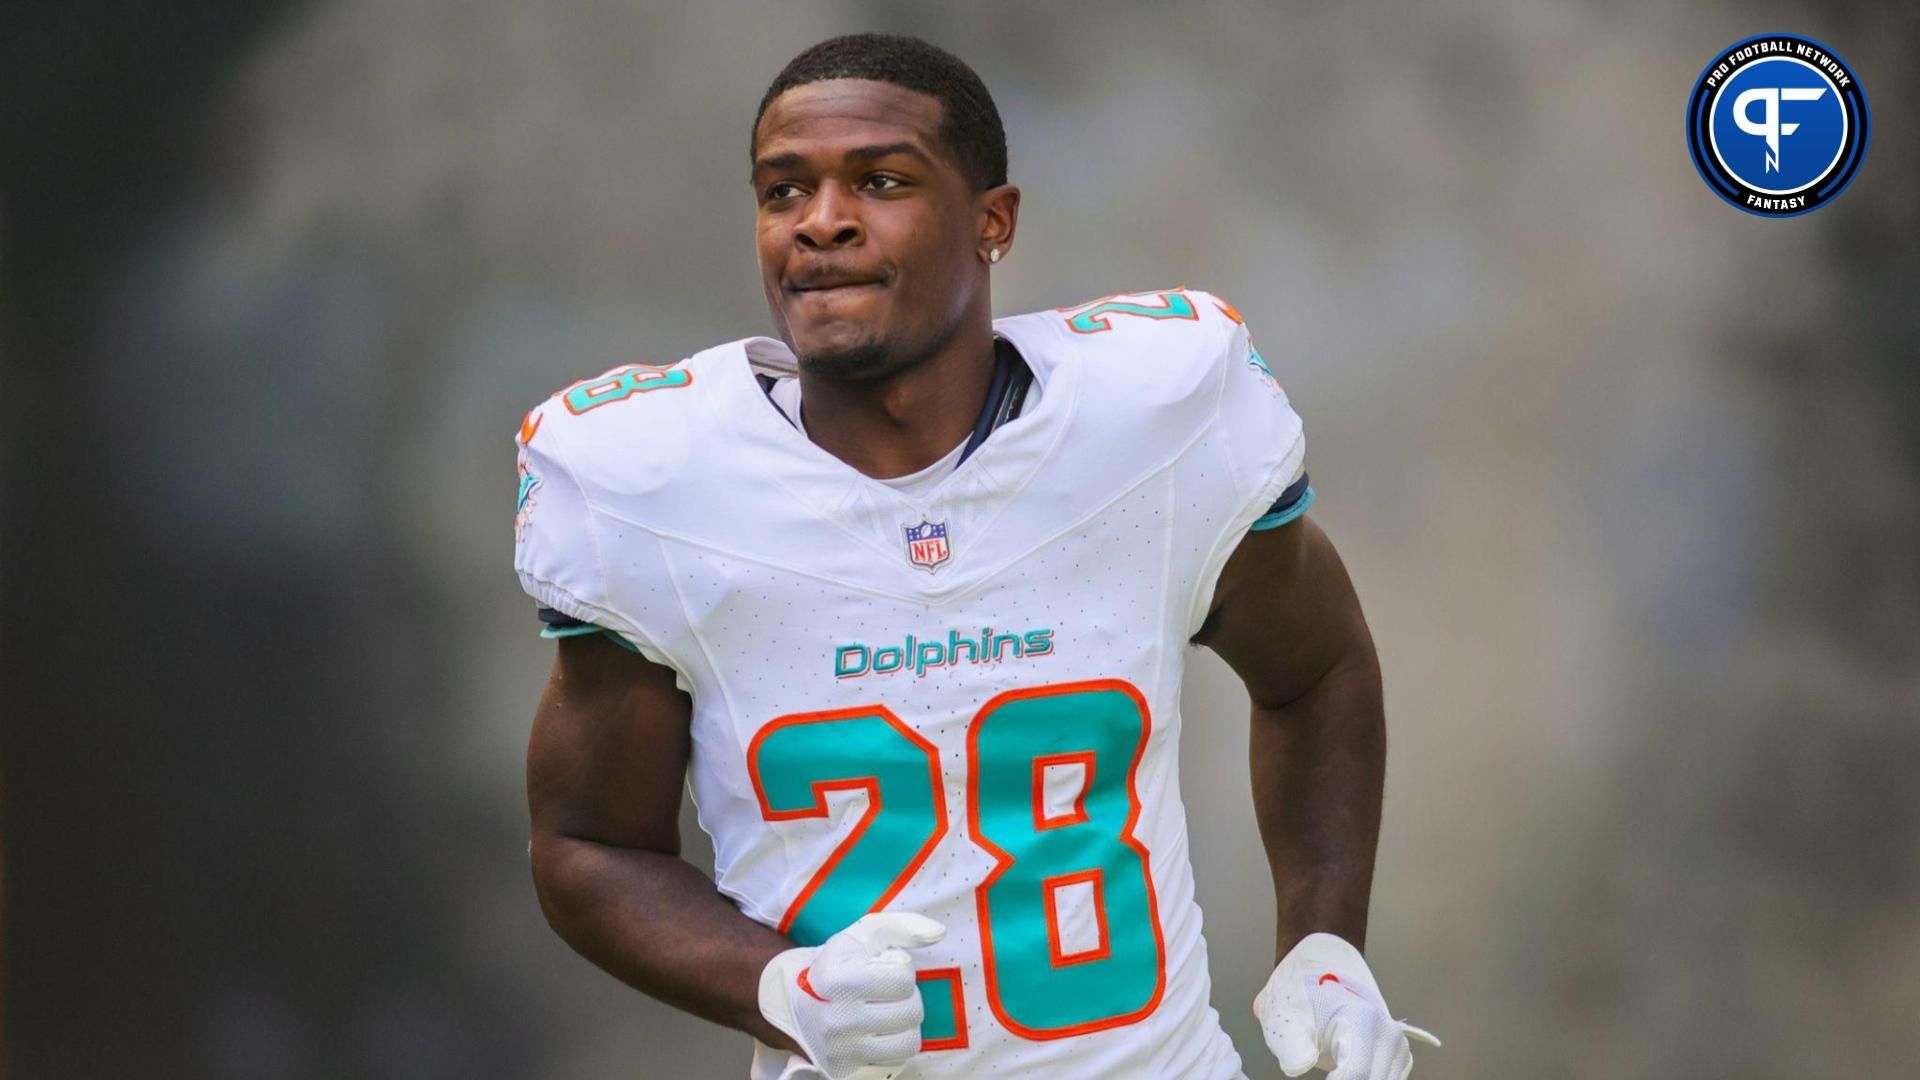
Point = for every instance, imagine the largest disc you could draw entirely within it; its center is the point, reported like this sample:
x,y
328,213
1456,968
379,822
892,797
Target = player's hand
x,y
853,1003
1322,1007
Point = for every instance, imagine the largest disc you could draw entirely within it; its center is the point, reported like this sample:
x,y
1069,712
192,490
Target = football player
x,y
904,595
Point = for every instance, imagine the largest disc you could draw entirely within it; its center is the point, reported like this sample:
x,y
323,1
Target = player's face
x,y
868,232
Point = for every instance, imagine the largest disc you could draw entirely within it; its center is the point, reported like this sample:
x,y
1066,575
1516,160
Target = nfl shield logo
x,y
927,544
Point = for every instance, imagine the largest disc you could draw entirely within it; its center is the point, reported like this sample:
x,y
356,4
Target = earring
x,y
993,255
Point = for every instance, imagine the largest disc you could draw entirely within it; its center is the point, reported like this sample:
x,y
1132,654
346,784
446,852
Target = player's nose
x,y
831,219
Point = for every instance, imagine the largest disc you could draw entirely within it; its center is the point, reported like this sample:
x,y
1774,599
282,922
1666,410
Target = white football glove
x,y
1322,1007
852,1003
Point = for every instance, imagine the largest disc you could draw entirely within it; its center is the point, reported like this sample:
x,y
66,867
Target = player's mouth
x,y
833,284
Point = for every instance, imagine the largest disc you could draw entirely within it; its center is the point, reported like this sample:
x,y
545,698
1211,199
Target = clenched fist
x,y
852,1003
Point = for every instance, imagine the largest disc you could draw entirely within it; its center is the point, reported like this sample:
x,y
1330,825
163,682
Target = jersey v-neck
x,y
1010,390
969,499
785,395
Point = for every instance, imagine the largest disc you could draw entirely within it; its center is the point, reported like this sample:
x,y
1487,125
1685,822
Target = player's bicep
x,y
1285,613
609,750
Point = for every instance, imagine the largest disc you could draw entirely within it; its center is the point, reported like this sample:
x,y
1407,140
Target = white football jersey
x,y
963,703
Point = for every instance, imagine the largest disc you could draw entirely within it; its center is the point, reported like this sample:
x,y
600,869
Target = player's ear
x,y
998,212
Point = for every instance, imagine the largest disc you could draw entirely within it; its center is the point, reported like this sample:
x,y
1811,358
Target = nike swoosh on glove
x,y
852,1003
1322,1007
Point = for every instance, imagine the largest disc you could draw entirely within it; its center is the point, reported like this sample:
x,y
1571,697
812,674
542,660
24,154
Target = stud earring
x,y
993,255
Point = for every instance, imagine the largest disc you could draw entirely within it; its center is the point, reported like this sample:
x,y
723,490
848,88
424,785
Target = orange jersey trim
x,y
1078,812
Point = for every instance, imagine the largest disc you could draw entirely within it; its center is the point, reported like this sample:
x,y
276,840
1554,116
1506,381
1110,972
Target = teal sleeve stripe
x,y
1281,517
587,628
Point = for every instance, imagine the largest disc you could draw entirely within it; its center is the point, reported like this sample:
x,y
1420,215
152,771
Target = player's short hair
x,y
969,122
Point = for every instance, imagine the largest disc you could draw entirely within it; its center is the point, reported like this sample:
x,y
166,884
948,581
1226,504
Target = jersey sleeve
x,y
558,546
555,550
1296,500
1264,437
1261,443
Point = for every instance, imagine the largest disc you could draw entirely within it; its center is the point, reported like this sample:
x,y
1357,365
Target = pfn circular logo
x,y
1777,125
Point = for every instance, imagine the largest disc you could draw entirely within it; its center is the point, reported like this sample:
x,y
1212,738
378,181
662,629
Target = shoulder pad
x,y
1162,352
624,431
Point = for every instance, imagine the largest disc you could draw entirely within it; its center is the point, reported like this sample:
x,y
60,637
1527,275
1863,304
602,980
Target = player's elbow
x,y
563,878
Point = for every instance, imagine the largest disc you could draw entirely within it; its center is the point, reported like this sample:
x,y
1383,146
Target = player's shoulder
x,y
635,425
1154,326
1158,348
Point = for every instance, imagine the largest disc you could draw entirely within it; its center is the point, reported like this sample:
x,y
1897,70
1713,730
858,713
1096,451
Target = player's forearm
x,y
655,922
1318,765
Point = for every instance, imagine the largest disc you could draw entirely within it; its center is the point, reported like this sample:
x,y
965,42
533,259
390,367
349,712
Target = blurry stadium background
x,y
1629,481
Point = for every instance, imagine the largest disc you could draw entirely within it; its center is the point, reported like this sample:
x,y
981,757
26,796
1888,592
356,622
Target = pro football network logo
x,y
927,544
1777,125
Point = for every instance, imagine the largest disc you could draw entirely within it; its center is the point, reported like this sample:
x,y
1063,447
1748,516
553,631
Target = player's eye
x,y
784,189
883,182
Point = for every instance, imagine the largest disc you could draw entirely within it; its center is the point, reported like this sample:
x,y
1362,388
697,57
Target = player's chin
x,y
842,348
849,360
851,351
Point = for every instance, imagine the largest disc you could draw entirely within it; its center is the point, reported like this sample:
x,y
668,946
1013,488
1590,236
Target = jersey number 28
x,y
1037,986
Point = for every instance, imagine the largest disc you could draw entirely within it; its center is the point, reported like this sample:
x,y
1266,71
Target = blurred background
x,y
1629,482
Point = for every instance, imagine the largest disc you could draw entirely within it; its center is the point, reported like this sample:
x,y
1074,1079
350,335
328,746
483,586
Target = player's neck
x,y
902,424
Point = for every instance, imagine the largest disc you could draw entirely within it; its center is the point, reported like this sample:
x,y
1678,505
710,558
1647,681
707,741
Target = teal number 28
x,y
1037,987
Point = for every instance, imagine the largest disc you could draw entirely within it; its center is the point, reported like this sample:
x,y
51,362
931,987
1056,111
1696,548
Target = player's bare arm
x,y
605,768
1286,619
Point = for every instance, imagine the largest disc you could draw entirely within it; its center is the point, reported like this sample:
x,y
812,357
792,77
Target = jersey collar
x,y
970,500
